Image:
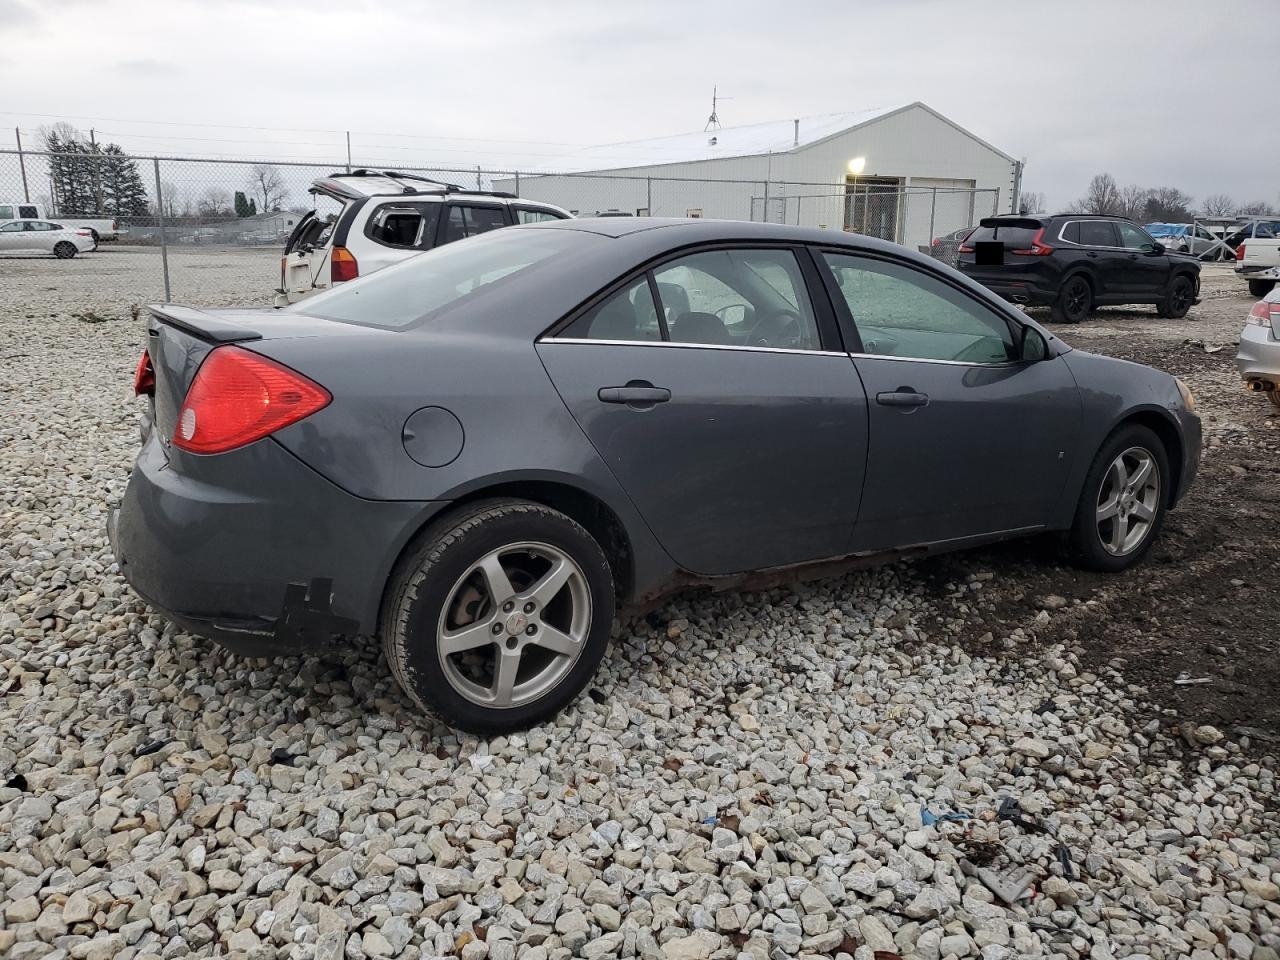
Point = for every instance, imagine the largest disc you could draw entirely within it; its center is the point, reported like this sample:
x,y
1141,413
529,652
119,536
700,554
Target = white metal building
x,y
905,173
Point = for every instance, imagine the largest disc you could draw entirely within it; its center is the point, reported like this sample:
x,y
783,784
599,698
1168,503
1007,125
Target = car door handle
x,y
635,394
1092,255
902,397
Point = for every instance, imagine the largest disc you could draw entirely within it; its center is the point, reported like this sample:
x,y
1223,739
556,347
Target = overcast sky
x,y
1178,92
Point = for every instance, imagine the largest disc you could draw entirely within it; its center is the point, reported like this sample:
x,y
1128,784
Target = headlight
x,y
1188,397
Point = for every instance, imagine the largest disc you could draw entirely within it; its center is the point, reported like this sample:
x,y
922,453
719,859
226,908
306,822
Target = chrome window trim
x,y
692,346
1090,246
746,349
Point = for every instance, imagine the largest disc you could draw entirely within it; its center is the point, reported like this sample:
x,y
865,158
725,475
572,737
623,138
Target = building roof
x,y
751,140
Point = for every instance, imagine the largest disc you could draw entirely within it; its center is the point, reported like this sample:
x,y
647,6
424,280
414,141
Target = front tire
x,y
64,250
1260,288
1124,500
500,617
1074,302
1177,298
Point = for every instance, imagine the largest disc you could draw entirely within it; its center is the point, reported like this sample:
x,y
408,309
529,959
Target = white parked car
x,y
44,236
382,218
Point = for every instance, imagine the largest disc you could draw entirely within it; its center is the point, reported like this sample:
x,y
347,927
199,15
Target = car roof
x,y
678,231
358,184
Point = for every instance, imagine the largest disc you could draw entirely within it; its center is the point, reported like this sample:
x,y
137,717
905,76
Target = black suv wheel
x,y
1075,300
1177,298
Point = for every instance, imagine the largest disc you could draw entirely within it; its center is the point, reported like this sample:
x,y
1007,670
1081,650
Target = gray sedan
x,y
482,453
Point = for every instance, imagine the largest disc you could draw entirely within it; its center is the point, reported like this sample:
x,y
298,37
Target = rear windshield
x,y
403,294
1014,237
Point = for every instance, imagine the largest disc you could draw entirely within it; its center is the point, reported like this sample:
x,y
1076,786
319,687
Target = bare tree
x,y
214,203
1168,204
1218,205
1257,208
171,199
1102,197
1030,201
1133,201
266,181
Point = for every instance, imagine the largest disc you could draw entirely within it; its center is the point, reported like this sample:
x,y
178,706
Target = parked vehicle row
x,y
1190,238
481,452
386,218
1074,262
100,228
43,236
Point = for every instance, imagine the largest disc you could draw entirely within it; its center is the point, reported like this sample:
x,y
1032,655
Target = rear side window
x,y
470,221
26,211
6,212
1098,233
535,216
412,226
405,293
1014,238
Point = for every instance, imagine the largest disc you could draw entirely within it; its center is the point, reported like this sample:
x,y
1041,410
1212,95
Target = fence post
x,y
933,206
517,183
648,194
22,165
479,185
164,243
348,151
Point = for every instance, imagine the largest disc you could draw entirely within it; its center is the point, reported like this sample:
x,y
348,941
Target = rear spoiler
x,y
202,323
1027,223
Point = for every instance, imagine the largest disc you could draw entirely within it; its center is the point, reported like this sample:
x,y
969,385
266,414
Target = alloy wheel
x,y
514,624
1077,299
1128,501
1181,298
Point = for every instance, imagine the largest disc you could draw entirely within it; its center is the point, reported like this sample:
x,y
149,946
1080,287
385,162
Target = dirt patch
x,y
1204,606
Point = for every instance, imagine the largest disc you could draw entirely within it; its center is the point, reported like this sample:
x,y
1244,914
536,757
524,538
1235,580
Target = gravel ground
x,y
753,775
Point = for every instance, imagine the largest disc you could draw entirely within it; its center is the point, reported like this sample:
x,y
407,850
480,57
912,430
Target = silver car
x,y
1189,238
1259,357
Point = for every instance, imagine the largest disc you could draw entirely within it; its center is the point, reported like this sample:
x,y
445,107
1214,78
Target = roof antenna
x,y
713,121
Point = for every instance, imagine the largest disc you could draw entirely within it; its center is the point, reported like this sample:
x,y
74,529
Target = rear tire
x,y
1074,301
1260,288
64,250
500,616
1177,298
1122,508
1274,397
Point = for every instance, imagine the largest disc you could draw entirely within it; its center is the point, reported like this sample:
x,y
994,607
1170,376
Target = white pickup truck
x,y
102,228
1258,256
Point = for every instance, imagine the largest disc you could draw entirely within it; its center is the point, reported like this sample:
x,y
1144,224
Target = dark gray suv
x,y
482,453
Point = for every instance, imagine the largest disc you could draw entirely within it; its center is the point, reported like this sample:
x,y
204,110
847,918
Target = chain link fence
x,y
212,231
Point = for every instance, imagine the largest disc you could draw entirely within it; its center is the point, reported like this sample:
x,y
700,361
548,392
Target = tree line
x,y
88,178
1148,204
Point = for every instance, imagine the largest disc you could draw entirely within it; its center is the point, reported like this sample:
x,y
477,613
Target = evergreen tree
x,y
71,170
253,207
241,205
123,194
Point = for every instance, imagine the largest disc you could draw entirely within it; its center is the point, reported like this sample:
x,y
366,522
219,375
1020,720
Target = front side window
x,y
412,226
1098,233
1133,238
11,228
903,312
24,211
749,298
6,212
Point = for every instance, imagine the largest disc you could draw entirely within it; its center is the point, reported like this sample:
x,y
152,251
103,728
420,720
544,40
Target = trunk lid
x,y
180,337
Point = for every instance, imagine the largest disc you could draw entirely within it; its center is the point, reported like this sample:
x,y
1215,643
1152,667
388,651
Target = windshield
x,y
410,291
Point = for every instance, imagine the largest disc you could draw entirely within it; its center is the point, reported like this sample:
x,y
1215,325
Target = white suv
x,y
383,218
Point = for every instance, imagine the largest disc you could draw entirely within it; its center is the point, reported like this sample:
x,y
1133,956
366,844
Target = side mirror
x,y
1032,347
1157,249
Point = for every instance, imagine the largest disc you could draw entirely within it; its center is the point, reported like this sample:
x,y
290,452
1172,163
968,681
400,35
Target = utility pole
x,y
22,164
97,174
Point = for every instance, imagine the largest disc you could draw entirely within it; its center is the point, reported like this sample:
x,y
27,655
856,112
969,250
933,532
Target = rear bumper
x,y
261,553
1259,355
1016,288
